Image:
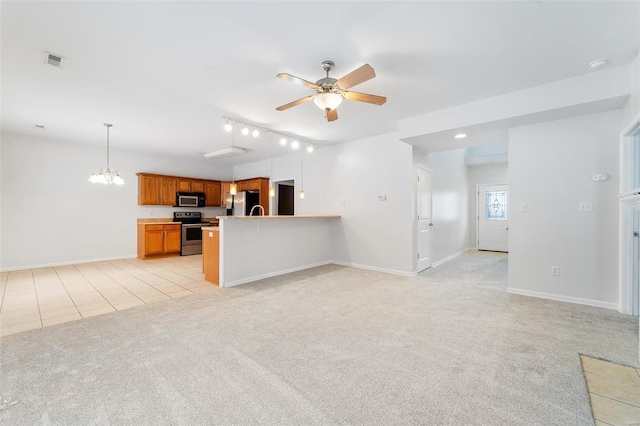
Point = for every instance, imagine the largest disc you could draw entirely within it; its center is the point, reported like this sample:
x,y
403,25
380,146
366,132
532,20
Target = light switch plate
x,y
585,206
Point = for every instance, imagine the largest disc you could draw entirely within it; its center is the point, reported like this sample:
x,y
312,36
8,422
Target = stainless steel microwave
x,y
190,199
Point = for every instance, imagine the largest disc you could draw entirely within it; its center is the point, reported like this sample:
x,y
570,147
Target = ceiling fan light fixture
x,y
327,101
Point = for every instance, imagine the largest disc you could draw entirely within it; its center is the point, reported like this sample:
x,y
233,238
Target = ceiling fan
x,y
330,92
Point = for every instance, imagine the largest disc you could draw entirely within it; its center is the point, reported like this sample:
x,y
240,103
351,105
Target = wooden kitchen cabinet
x,y
191,185
225,188
156,190
160,190
148,189
212,193
168,189
159,239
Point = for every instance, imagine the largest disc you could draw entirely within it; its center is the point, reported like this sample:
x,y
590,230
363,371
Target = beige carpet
x,y
331,345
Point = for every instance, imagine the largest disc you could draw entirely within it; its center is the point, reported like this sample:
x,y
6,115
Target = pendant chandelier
x,y
106,175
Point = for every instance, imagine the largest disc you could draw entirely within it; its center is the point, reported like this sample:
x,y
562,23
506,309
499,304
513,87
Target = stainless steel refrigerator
x,y
242,203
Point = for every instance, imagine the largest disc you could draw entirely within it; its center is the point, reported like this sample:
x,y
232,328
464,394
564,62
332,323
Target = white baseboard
x,y
67,262
561,298
448,258
273,274
374,268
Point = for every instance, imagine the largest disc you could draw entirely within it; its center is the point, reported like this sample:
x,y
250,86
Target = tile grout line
x,y
166,294
99,292
35,290
66,290
92,286
4,289
150,284
613,378
612,399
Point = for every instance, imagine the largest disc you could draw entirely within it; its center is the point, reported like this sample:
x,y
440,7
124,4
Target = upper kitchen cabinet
x,y
225,188
190,185
156,190
160,190
212,193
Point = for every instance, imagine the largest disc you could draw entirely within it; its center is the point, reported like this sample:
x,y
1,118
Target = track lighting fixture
x,y
255,131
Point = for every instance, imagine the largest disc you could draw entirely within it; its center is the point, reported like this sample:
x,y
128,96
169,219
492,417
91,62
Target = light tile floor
x,y
35,298
614,391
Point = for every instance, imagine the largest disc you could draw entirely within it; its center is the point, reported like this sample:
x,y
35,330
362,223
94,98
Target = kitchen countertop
x,y
210,228
277,217
157,222
166,221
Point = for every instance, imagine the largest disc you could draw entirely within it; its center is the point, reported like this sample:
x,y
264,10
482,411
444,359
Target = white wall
x,y
631,109
51,214
372,234
450,202
550,170
253,249
482,174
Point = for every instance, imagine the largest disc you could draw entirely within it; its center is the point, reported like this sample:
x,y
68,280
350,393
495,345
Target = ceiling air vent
x,y
52,59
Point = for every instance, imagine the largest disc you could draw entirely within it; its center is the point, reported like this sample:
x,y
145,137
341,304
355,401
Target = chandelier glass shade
x,y
107,175
327,101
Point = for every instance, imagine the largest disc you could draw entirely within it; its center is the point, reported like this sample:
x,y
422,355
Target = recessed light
x,y
598,63
460,136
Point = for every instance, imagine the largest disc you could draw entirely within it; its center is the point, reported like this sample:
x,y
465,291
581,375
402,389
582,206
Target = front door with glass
x,y
493,217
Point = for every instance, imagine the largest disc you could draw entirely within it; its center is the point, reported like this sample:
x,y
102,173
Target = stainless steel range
x,y
191,231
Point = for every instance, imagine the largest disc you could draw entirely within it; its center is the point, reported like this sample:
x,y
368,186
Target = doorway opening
x,y
424,224
493,217
285,198
630,223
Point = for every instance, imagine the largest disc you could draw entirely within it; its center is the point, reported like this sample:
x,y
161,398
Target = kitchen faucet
x,y
252,208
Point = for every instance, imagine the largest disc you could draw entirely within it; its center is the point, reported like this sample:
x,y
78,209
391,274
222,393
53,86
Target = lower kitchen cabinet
x,y
158,239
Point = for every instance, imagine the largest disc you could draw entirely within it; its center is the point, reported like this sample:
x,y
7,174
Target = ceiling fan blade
x,y
355,77
332,115
294,103
297,80
364,97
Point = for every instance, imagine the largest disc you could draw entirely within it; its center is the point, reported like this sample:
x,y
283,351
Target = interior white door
x,y
424,219
493,217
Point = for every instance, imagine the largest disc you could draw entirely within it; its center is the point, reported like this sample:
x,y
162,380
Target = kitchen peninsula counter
x,y
249,248
277,217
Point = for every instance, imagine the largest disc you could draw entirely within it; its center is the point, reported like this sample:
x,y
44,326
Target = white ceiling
x,y
165,72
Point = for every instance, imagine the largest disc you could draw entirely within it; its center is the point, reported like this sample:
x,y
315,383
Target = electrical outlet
x,y
344,202
585,206
555,270
523,207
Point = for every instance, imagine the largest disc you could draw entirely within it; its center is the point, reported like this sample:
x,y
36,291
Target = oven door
x,y
191,239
